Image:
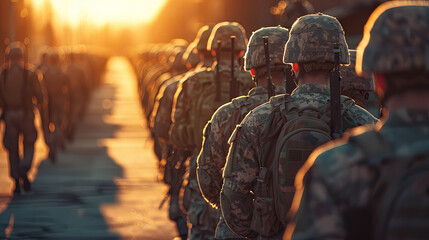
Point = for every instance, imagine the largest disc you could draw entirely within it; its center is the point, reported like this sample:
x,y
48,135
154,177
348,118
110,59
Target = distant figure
x,y
18,87
58,86
44,62
78,93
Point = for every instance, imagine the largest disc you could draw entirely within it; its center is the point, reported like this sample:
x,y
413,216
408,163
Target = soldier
x,y
161,116
18,87
197,98
44,61
212,157
248,203
358,88
373,184
58,86
78,93
161,122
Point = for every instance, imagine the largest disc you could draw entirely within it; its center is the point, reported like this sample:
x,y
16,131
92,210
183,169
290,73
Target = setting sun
x,y
101,12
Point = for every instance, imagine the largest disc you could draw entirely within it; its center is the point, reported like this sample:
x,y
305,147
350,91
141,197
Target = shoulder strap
x,y
371,143
239,102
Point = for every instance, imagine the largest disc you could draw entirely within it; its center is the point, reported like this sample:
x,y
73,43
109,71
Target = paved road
x,y
103,186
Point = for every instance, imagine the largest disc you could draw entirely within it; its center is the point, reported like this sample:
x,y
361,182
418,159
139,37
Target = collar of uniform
x,y
403,117
311,88
224,68
260,90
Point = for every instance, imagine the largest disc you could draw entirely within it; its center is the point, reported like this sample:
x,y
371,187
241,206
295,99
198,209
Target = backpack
x,y
398,206
11,98
205,104
293,132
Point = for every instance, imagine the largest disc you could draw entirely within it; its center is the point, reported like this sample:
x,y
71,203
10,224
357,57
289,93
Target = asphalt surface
x,y
104,185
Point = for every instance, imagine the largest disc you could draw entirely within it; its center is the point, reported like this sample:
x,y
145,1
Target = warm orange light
x,y
51,127
100,12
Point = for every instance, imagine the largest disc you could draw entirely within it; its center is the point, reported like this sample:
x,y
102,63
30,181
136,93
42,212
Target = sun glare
x,y
99,12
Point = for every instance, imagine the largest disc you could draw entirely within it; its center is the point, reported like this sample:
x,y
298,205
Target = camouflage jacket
x,y
212,157
11,90
242,164
57,86
161,114
181,119
338,178
183,132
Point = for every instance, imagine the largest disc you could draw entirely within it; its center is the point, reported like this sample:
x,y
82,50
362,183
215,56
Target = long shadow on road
x,y
67,196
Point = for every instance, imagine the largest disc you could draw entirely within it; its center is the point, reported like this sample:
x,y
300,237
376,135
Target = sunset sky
x,y
100,12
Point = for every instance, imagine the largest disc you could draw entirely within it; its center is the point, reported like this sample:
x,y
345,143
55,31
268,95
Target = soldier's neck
x,y
262,81
227,63
320,79
412,99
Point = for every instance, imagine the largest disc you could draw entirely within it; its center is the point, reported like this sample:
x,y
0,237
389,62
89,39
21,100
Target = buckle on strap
x,y
262,174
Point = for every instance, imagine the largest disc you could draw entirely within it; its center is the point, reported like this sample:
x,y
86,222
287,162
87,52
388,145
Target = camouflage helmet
x,y
179,42
223,32
353,86
313,38
255,54
350,80
396,39
175,57
190,57
202,38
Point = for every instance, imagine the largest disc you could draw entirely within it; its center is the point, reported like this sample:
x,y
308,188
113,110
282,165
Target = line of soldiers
x,y
56,90
246,147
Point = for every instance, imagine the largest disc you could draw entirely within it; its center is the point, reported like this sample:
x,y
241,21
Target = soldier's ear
x,y
214,53
380,84
253,72
295,67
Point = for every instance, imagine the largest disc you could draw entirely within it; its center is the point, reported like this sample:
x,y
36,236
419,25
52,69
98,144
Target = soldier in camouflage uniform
x,y
78,94
340,186
175,159
310,48
194,105
161,115
212,157
58,91
18,87
359,88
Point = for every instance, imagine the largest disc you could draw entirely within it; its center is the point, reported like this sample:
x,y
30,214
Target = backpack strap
x,y
375,148
371,143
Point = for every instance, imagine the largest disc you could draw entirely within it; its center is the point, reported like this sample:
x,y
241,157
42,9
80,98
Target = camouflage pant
x,y
278,236
203,218
223,231
19,123
176,215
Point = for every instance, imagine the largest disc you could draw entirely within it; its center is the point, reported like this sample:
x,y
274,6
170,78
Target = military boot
x,y
17,189
26,183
